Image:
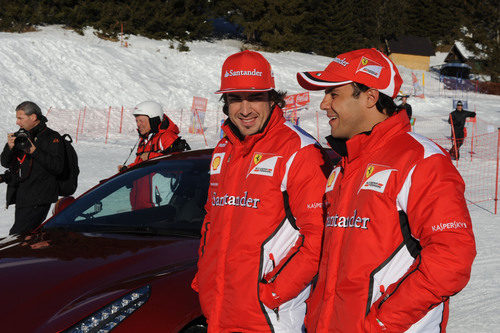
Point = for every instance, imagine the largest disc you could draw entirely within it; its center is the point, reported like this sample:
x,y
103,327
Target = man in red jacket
x,y
398,237
261,237
158,135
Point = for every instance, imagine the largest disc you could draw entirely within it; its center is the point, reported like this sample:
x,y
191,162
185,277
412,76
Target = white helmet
x,y
148,108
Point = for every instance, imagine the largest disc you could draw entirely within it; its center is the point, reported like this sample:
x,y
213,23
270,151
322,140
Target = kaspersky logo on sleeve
x,y
231,72
375,178
263,164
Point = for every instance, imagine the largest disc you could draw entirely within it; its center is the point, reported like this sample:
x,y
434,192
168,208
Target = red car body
x,y
54,279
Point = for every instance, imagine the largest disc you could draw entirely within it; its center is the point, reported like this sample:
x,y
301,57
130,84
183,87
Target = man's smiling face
x,y
248,111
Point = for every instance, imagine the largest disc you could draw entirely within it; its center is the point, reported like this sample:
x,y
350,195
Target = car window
x,y
165,197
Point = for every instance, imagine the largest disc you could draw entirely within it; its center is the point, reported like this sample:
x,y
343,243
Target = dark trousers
x,y
28,218
455,152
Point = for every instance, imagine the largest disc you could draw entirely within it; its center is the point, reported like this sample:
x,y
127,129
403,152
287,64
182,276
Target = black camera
x,y
22,141
6,177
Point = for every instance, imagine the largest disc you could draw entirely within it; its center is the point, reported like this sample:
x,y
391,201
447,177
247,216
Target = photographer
x,y
34,156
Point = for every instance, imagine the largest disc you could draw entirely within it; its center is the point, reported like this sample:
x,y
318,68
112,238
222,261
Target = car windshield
x,y
162,198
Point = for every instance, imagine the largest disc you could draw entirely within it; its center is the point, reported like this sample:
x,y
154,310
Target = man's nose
x,y
325,103
246,107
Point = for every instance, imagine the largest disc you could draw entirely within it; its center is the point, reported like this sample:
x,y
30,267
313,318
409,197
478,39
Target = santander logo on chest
x,y
375,177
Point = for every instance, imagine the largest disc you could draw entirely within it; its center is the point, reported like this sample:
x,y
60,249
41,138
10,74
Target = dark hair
x,y
384,102
278,97
30,108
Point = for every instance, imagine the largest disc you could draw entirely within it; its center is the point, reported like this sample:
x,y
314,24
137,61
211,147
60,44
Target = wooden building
x,y
410,51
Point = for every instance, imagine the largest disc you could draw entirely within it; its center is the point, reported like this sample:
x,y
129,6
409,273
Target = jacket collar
x,y
371,140
37,129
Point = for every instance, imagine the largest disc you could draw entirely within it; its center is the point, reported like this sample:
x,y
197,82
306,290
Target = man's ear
x,y
372,96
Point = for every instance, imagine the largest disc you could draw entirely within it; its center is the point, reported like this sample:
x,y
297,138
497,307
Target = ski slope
x,y
68,73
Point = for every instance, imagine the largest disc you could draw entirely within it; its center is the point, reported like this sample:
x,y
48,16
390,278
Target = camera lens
x,y
22,140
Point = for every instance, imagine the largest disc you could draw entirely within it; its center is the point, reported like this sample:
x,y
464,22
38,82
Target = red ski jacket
x,y
261,237
398,237
155,142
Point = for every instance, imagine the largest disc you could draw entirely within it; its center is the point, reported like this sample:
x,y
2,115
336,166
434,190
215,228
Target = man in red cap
x,y
398,238
261,237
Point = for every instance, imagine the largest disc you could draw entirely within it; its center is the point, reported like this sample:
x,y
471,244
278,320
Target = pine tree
x,y
481,35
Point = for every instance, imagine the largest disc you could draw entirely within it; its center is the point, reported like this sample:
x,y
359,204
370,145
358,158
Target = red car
x,y
121,257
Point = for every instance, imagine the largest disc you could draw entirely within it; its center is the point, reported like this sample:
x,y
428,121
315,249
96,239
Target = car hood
x,y
48,277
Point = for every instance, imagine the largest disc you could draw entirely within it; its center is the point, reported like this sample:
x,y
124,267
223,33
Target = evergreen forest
x,y
326,27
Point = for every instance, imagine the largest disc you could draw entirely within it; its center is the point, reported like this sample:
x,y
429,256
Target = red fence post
x,y
78,125
180,127
496,182
83,120
107,127
121,120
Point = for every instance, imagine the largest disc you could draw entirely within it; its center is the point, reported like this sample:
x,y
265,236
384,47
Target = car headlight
x,y
106,318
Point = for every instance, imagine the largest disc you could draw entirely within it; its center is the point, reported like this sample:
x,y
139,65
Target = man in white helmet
x,y
158,134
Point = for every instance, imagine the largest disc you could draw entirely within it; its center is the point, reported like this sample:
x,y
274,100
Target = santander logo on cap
x,y
246,71
230,72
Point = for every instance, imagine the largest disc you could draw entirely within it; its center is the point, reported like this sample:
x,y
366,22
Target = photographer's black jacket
x,y
34,182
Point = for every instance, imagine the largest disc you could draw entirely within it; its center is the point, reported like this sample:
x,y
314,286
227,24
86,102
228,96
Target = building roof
x,y
456,54
410,45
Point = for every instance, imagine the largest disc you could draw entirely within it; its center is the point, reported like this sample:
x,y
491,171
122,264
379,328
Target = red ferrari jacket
x,y
398,237
154,143
261,237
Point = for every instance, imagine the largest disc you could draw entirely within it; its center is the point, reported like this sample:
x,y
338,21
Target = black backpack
x,y
67,180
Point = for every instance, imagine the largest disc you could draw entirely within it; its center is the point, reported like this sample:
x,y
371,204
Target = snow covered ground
x,y
68,73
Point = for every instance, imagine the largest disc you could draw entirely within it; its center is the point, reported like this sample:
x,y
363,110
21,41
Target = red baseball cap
x,y
246,71
366,66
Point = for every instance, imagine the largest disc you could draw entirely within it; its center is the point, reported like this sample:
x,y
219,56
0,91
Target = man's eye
x,y
257,98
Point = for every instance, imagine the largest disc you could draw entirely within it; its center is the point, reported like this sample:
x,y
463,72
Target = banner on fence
x,y
198,110
295,103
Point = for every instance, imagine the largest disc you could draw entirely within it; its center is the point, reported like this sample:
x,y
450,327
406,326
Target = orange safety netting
x,y
477,162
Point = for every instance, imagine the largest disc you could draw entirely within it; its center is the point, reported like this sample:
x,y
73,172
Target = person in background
x,y
158,135
457,121
34,156
404,105
261,237
398,239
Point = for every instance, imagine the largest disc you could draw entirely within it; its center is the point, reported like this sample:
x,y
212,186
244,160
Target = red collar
x,y
378,136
